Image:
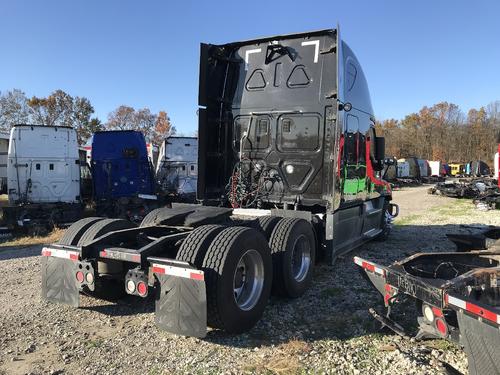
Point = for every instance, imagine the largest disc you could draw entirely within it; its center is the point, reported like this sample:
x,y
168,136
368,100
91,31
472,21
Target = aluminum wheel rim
x,y
301,258
248,279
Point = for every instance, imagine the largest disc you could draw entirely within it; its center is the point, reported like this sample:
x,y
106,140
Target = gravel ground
x,y
326,331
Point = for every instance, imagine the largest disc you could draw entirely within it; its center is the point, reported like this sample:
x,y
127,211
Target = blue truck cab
x,y
122,173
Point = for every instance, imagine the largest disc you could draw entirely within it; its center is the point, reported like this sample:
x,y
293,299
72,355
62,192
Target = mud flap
x,y
181,305
482,345
58,281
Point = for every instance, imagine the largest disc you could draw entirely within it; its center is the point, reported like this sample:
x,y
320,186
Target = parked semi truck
x,y
457,295
177,168
43,170
289,166
122,175
4,148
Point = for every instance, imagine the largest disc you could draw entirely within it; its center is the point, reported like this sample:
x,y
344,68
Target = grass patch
x,y
440,344
406,220
52,237
94,343
284,360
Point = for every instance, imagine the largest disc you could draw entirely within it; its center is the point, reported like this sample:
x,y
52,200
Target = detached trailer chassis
x,y
457,295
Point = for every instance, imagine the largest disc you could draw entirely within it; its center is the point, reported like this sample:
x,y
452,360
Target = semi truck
x,y
288,173
122,175
4,148
43,170
177,168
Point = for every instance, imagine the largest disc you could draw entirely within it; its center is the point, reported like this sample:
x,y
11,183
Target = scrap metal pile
x,y
484,191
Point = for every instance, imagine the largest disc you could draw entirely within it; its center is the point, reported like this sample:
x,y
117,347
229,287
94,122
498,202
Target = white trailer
x,y
177,167
436,168
43,172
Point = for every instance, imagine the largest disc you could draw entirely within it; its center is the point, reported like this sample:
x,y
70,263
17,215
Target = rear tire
x,y
156,216
293,249
102,227
73,234
195,245
238,276
266,225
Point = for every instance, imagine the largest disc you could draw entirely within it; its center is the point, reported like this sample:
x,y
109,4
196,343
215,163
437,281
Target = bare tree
x,y
13,109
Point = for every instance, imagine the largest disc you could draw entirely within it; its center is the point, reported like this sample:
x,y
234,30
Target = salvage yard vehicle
x,y
456,169
177,168
122,175
4,150
289,167
43,170
457,295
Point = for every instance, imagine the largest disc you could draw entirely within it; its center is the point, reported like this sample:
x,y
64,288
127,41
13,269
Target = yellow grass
x,y
283,361
52,237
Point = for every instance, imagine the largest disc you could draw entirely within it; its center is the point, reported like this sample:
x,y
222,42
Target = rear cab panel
x,y
282,92
43,165
120,165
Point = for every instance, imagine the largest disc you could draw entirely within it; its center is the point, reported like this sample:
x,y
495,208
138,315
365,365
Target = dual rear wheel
x,y
242,265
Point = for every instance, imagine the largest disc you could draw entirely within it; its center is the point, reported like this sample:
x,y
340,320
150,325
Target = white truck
x,y
43,176
177,167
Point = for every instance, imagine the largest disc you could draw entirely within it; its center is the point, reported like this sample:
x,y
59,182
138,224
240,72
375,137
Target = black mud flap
x,y
181,306
482,345
58,281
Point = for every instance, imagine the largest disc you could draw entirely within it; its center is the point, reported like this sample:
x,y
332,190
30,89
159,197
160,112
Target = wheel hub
x,y
301,258
248,279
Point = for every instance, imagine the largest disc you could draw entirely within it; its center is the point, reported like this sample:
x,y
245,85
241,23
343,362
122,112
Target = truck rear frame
x,y
457,295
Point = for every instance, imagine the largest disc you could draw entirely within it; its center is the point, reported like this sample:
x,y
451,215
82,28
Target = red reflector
x,y
46,253
136,258
441,326
437,312
158,270
196,276
368,266
142,289
481,312
102,254
73,256
79,276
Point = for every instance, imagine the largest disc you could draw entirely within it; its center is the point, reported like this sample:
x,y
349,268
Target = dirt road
x,y
327,330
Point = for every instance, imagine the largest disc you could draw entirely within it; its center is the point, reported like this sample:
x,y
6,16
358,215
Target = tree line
x,y
61,109
443,132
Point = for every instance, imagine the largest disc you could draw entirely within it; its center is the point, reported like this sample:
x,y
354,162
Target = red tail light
x,y
79,277
142,288
441,326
